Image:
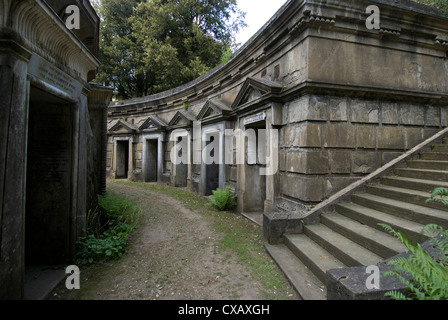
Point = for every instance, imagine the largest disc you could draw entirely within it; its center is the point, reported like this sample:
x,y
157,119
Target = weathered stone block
x,y
364,111
444,116
413,137
308,108
387,157
335,184
282,160
338,136
391,138
412,115
305,135
365,162
307,162
433,116
302,187
337,109
276,224
389,113
365,137
340,162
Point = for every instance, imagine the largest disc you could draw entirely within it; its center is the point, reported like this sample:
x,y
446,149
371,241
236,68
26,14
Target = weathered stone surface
x,y
335,184
338,136
340,161
304,188
364,111
309,162
276,224
365,162
433,116
389,113
308,108
390,137
365,137
413,137
412,114
337,109
304,135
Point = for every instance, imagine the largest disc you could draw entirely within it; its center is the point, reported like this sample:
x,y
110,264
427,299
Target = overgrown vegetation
x,y
222,199
442,5
424,274
108,229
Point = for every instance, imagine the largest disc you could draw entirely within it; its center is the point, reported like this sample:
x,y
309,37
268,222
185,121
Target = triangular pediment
x,y
253,89
182,118
214,109
121,126
153,124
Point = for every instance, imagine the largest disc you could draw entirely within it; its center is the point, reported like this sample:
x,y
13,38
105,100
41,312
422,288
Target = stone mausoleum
x,y
343,98
52,135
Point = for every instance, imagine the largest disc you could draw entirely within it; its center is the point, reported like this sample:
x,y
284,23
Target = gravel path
x,y
174,254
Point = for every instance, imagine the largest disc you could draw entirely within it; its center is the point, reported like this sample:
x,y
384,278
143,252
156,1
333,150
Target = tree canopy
x,y
148,46
442,5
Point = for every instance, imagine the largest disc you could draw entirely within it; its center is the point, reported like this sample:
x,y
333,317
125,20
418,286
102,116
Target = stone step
x,y
316,258
342,248
372,218
429,164
437,175
445,140
307,285
411,183
377,241
443,156
439,147
407,195
405,210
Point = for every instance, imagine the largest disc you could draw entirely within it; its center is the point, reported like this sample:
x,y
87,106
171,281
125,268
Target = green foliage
x,y
222,199
438,195
148,46
108,230
442,5
425,276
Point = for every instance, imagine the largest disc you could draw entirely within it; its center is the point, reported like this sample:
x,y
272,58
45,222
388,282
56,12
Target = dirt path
x,y
174,254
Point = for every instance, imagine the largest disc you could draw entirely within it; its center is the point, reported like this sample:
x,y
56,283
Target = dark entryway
x,y
151,160
122,159
48,236
212,169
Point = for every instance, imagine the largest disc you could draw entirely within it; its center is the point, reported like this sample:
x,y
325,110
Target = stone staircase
x,y
350,235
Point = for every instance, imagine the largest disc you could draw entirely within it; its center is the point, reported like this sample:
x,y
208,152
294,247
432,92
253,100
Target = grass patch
x,y
240,236
108,229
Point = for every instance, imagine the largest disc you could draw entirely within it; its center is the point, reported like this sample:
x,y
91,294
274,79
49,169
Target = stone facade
x,y
344,100
52,133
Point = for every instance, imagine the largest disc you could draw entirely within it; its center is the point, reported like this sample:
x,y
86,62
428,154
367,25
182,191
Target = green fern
x,y
425,276
438,195
222,199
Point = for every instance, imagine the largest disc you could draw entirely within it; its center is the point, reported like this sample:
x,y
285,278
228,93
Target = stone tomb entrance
x,y
122,159
49,180
152,157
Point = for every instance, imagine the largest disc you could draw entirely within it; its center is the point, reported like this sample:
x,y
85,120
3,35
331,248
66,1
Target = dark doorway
x,y
255,188
151,160
181,168
122,159
49,181
212,170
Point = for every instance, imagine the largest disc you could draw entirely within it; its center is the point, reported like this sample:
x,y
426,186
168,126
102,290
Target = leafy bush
x,y
425,275
222,199
108,230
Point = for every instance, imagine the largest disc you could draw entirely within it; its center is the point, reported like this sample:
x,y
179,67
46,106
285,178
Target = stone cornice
x,y
41,31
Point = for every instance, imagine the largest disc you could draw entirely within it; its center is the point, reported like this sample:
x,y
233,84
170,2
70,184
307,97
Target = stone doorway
x,y
255,160
122,159
151,168
212,169
49,181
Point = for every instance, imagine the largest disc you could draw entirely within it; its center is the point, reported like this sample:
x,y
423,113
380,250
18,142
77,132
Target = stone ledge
x,y
276,224
350,283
